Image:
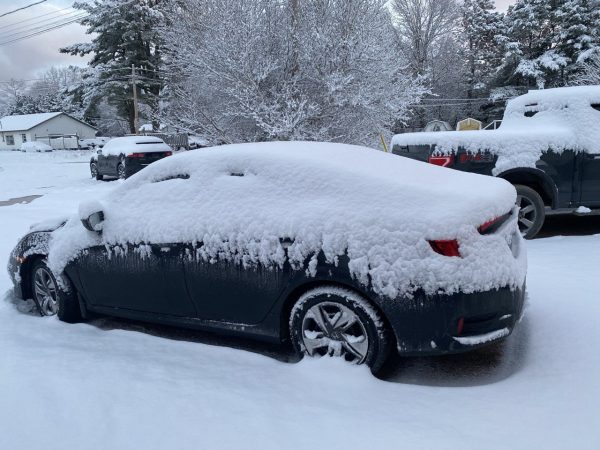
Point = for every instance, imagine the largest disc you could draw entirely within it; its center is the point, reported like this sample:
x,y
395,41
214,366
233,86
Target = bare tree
x,y
420,24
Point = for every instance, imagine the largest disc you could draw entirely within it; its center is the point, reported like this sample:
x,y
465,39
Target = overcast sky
x,y
28,58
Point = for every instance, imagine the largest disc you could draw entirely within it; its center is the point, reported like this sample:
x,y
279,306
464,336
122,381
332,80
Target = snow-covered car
x,y
122,157
38,147
343,250
548,147
93,143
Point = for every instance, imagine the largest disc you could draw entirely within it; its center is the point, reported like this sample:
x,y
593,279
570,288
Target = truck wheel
x,y
532,211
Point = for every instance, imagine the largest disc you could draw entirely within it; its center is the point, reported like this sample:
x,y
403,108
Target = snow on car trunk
x,y
134,144
553,119
239,201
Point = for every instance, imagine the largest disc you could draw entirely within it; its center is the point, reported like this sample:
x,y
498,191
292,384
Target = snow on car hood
x,y
563,118
380,209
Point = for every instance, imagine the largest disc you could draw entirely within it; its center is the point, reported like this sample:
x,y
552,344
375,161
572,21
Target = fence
x,y
59,141
174,140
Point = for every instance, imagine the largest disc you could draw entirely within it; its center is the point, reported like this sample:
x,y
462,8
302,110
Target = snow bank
x,y
134,144
35,147
239,200
562,119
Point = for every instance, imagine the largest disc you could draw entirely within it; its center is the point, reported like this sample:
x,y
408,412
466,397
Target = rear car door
x,y
227,291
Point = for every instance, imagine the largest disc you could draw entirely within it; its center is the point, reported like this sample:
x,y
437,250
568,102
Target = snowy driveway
x,y
113,384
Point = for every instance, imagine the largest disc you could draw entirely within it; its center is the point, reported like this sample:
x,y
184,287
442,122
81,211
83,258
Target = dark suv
x,y
548,147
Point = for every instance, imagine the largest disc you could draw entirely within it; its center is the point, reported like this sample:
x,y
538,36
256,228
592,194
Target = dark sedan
x,y
263,241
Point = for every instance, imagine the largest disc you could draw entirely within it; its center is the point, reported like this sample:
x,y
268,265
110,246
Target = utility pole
x,y
135,100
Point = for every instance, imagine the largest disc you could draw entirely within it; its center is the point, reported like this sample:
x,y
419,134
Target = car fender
x,y
535,178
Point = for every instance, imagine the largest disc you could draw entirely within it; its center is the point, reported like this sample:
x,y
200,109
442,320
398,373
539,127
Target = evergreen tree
x,y
483,29
126,34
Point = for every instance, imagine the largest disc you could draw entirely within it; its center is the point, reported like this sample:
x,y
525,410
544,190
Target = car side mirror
x,y
94,221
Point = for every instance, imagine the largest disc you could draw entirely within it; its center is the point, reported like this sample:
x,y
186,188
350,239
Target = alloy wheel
x,y
46,291
527,214
333,329
121,171
94,170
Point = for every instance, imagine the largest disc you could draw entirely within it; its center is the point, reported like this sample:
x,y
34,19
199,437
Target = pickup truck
x,y
548,147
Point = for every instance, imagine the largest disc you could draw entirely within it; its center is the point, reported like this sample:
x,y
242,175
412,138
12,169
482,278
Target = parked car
x,y
122,157
548,147
341,250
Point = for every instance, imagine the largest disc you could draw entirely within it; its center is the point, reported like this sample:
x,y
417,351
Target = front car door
x,y
135,278
590,179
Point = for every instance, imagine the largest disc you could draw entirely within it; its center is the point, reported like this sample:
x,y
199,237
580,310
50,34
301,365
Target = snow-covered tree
x,y
483,32
546,40
125,34
264,70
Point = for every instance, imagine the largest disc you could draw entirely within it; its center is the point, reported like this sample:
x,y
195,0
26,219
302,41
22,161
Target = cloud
x,y
28,58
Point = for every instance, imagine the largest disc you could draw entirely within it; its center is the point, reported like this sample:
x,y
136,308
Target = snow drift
x,y
553,119
236,202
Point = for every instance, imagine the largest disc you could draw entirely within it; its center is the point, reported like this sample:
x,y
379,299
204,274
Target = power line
x,y
11,25
29,28
46,30
22,8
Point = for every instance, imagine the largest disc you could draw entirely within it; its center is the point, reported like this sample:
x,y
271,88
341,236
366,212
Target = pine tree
x,y
125,34
483,29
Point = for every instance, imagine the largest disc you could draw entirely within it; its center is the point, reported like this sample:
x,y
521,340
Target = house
x,y
57,129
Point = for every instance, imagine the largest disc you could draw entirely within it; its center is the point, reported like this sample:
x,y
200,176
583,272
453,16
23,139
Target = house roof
x,y
24,122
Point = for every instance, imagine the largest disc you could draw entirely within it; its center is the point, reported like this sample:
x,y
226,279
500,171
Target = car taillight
x,y
444,161
492,225
137,155
168,153
445,247
464,157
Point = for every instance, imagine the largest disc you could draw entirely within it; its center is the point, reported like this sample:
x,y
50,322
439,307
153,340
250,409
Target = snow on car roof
x,y
552,119
379,209
133,144
22,122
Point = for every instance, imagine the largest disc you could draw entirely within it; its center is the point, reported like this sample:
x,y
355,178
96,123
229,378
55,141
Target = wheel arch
x,y
25,273
536,179
292,296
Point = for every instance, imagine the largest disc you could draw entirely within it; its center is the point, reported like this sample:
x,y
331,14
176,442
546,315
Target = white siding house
x,y
57,129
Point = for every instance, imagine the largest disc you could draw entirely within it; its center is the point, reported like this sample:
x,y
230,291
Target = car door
x,y
590,179
144,278
101,162
225,290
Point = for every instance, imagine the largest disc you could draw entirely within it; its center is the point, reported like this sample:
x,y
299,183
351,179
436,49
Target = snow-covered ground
x,y
113,384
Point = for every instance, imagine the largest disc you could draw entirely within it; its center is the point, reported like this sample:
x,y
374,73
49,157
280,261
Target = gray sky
x,y
30,57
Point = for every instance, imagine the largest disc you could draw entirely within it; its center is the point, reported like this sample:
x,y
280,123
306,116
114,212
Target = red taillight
x,y
137,155
445,248
490,223
444,161
168,153
464,157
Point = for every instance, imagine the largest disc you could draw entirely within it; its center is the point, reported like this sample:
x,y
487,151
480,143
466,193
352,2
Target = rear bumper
x,y
440,324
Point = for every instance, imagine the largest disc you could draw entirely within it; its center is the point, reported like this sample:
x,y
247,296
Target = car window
x,y
596,106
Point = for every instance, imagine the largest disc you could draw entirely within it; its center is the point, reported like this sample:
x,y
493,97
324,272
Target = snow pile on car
x,y
35,147
238,202
553,119
134,144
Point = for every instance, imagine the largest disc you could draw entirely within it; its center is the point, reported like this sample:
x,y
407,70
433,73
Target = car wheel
x,y
338,322
121,171
94,171
532,211
51,297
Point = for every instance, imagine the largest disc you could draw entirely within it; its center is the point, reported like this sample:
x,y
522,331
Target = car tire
x,y
51,297
121,171
95,172
532,211
334,321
